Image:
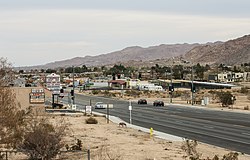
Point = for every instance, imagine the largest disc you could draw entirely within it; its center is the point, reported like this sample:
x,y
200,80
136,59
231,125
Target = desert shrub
x,y
43,140
94,92
189,146
231,156
211,91
105,153
225,98
185,95
146,92
177,94
243,90
106,93
91,120
246,108
133,93
75,147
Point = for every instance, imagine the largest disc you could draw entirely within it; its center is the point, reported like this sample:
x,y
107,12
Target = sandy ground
x,y
120,143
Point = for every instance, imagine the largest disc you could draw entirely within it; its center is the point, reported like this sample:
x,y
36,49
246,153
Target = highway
x,y
221,128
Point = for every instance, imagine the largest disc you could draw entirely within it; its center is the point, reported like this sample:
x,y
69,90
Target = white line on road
x,y
248,134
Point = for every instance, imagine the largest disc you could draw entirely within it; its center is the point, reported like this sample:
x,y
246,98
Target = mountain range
x,y
231,52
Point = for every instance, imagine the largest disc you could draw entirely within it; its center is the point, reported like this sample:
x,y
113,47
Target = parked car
x,y
99,105
142,101
158,103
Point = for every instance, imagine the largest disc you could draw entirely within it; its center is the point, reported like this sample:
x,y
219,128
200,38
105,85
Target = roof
x,y
121,82
204,83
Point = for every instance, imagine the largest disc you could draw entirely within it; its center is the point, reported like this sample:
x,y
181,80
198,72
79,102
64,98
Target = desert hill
x,y
232,52
134,53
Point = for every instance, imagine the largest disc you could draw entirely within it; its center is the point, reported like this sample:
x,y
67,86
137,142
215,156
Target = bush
x,y
189,146
133,93
246,108
94,92
91,120
43,141
225,98
177,94
244,90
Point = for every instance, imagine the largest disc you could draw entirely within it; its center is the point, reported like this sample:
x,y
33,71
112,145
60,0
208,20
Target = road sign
x,y
37,96
88,109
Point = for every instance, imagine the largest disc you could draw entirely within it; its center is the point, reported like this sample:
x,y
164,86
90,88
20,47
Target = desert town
x,y
110,140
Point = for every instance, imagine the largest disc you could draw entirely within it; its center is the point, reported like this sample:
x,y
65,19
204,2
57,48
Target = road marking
x,y
208,127
248,134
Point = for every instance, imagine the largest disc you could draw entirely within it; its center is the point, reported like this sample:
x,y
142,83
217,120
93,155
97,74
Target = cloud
x,y
54,34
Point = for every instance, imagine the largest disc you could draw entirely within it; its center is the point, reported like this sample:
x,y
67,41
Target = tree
x,y
43,140
178,71
225,98
11,116
50,71
200,71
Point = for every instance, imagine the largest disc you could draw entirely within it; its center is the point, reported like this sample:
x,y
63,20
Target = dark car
x,y
142,101
158,103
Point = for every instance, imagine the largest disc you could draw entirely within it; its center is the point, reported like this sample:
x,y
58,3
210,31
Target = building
x,y
231,77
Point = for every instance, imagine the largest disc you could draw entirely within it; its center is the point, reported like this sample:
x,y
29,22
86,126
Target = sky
x,y
36,32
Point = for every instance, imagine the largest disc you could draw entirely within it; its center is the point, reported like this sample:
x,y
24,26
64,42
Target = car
x,y
99,105
142,101
158,103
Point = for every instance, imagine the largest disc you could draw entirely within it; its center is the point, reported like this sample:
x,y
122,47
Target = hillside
x,y
135,53
232,52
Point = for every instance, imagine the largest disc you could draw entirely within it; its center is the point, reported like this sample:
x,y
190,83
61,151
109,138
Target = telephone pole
x,y
73,84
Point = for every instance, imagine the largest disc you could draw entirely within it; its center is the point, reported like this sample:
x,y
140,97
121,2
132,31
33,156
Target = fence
x,y
71,154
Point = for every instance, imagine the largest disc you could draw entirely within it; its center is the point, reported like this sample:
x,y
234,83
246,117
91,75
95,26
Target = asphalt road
x,y
224,129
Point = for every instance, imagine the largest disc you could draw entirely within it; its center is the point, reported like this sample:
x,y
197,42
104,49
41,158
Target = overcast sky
x,y
34,32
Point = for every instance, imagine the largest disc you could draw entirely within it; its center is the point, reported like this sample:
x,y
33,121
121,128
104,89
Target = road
x,y
224,129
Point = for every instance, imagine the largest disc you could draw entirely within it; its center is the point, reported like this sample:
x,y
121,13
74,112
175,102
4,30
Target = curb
x,y
157,134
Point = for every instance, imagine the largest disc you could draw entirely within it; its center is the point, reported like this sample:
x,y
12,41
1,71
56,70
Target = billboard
x,y
37,96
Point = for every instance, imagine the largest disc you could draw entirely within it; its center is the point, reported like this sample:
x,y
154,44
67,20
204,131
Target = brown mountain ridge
x,y
232,52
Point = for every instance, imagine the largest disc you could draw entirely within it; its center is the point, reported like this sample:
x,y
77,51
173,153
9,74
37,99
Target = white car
x,y
99,105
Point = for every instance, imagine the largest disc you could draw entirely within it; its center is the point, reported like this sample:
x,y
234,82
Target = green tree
x,y
225,98
178,71
199,70
50,71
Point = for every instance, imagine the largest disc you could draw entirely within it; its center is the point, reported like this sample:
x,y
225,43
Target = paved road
x,y
220,128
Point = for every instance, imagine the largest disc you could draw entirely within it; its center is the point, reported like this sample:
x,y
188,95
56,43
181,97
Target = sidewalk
x,y
157,134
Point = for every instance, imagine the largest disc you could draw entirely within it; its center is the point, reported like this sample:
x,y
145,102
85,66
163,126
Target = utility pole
x,y
192,86
73,84
171,92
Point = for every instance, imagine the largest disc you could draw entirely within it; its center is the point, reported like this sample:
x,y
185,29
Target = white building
x,y
149,87
231,77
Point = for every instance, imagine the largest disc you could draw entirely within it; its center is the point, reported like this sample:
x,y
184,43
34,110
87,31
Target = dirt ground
x,y
109,141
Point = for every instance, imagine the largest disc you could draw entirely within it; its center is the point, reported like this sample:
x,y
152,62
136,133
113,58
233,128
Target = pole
x,y
171,85
108,113
192,86
73,84
88,154
130,113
